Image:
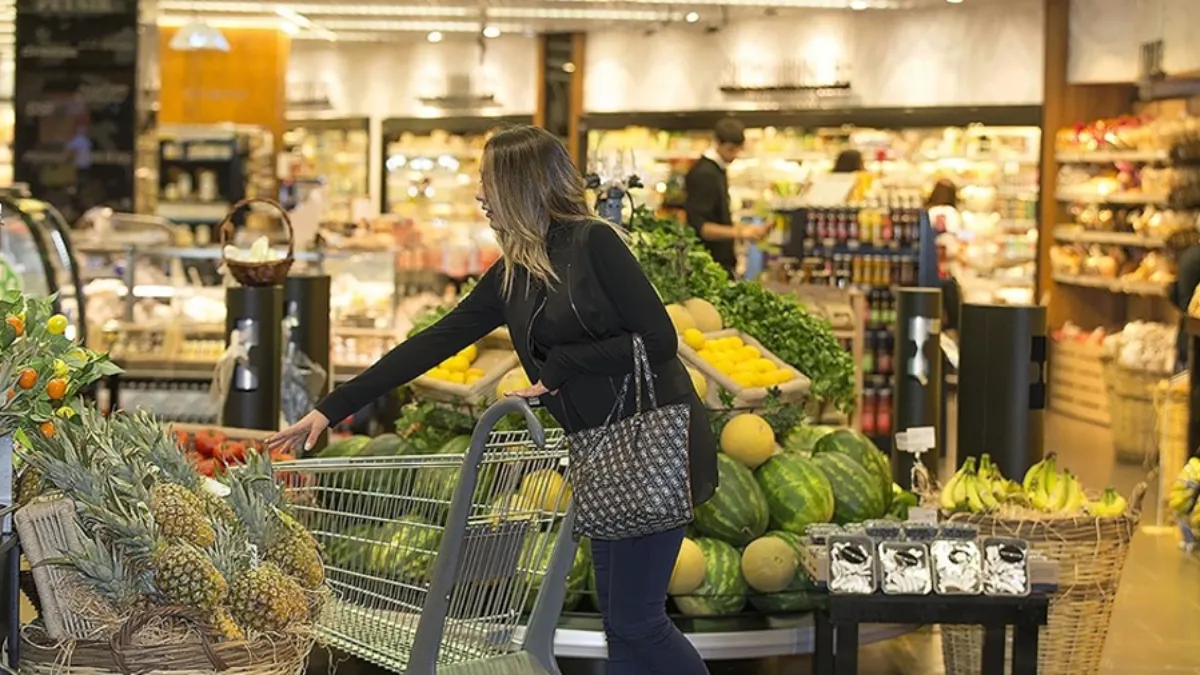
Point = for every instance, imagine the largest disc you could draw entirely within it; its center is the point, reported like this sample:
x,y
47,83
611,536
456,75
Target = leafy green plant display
x,y
680,268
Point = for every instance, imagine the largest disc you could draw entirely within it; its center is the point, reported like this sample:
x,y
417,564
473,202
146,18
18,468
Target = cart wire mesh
x,y
434,560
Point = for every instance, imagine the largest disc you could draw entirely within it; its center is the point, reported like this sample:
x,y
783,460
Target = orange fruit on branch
x,y
56,389
17,323
27,378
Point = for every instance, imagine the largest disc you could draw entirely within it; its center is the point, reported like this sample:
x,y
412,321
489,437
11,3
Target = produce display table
x,y
839,623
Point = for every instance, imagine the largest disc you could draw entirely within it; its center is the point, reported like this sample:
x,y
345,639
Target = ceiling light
x,y
434,36
491,32
568,67
692,17
196,36
289,27
955,2
858,5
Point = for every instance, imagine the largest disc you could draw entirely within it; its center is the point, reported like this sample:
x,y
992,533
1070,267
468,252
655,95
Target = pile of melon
x,y
743,363
696,314
458,369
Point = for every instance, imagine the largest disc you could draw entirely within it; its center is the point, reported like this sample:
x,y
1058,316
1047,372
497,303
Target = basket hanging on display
x,y
1091,554
265,273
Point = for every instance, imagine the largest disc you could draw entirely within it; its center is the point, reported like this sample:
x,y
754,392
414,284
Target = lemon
x,y
475,372
745,367
706,354
456,364
725,367
733,342
470,353
747,379
738,356
694,338
763,365
471,378
438,373
782,375
456,378
749,353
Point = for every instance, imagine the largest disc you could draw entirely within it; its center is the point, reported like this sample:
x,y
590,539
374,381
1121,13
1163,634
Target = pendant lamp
x,y
196,36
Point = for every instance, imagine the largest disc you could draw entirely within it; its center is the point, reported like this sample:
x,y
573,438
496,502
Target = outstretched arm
x,y
640,310
481,312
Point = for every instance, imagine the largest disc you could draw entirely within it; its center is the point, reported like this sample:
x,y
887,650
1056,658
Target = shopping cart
x,y
434,560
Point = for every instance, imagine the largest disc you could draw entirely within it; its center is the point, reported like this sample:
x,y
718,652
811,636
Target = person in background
x,y
848,161
573,297
1184,247
942,206
707,197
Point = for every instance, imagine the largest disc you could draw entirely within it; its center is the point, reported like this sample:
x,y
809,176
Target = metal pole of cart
x,y
918,385
256,313
1002,385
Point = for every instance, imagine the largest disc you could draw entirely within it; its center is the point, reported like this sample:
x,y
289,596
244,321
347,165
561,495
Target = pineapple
x,y
281,539
175,468
108,575
225,627
265,600
29,486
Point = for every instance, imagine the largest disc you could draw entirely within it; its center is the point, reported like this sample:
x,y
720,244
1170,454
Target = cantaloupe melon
x,y
748,439
513,380
513,507
769,564
689,569
698,382
547,489
680,317
707,318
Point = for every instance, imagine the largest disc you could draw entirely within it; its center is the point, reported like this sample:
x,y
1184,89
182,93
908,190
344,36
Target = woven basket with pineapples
x,y
233,580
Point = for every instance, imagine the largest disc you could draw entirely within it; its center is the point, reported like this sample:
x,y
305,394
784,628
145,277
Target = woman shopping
x,y
582,315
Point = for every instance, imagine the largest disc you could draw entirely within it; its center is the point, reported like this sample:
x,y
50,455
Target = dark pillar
x,y
253,401
306,299
918,366
1002,385
1193,338
75,102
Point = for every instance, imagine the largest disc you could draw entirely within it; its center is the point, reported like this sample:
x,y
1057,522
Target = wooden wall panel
x,y
246,85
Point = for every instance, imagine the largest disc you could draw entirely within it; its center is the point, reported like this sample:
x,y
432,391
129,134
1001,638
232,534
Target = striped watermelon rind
x,y
858,447
801,595
855,490
737,513
724,589
797,492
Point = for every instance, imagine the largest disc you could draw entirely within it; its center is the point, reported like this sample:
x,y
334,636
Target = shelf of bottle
x,y
1077,235
1110,156
1144,288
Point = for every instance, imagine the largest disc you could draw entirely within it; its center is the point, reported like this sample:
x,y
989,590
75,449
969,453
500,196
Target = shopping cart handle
x,y
508,405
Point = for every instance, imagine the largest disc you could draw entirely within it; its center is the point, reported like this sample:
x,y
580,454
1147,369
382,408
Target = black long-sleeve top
x,y
707,201
575,337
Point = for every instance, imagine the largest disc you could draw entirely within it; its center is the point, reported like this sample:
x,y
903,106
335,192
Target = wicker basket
x,y
1131,409
270,273
124,654
1091,554
48,532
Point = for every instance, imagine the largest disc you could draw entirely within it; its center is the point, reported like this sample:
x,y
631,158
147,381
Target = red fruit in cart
x,y
207,467
17,324
230,452
56,388
183,440
207,441
277,457
27,378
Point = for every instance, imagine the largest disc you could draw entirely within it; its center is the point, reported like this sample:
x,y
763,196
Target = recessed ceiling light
x,y
955,2
491,32
691,17
434,36
858,5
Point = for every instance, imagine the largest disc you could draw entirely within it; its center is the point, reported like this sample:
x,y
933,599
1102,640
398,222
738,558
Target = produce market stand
x,y
839,623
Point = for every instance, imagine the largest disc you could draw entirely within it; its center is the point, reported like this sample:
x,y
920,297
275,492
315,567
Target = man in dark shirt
x,y
707,200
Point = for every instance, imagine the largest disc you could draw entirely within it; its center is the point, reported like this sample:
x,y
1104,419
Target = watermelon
x,y
541,544
349,447
797,492
801,595
724,590
856,493
737,512
438,483
860,448
405,550
384,445
804,437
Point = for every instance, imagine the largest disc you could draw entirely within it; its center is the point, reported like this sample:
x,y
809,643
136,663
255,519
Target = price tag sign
x,y
920,439
902,441
921,514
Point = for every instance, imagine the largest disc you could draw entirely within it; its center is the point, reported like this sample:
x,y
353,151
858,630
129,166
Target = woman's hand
x,y
305,432
532,392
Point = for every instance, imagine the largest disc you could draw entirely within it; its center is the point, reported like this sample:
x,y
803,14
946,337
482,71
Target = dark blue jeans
x,y
631,584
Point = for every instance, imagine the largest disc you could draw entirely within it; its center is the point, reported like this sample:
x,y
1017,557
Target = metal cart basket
x,y
435,559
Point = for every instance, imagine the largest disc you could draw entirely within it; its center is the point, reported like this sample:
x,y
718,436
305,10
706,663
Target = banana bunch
x,y
1051,490
1182,497
1110,505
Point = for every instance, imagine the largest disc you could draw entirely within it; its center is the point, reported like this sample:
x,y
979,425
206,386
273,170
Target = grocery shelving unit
x,y
333,153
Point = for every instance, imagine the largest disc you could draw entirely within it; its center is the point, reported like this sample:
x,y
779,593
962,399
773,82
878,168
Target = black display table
x,y
839,623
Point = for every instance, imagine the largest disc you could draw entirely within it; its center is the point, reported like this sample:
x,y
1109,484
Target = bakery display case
x,y
333,154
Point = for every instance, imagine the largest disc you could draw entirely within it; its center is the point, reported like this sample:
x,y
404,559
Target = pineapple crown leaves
x,y
230,553
106,572
252,510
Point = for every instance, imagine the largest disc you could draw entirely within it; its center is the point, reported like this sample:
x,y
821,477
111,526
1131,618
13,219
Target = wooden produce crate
x,y
1077,381
744,397
496,357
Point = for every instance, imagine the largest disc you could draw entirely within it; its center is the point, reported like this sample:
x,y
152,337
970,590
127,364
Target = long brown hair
x,y
530,182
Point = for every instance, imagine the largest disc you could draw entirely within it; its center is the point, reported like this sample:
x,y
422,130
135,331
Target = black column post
x,y
253,400
1001,385
918,366
1193,338
306,299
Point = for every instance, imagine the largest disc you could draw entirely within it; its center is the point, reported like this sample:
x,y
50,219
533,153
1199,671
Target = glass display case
x,y
36,250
